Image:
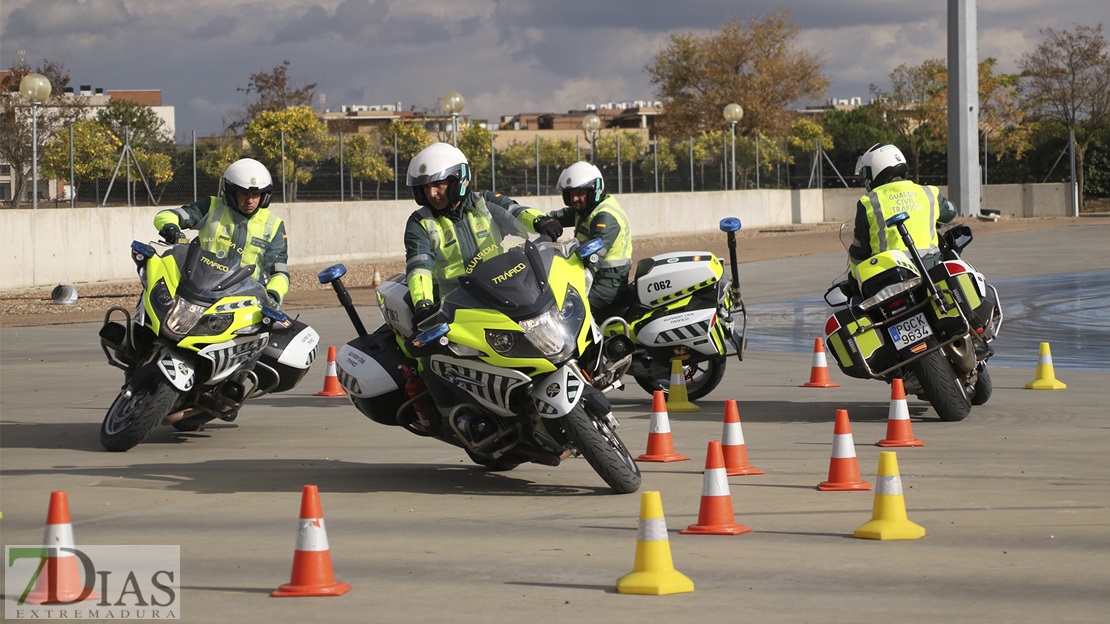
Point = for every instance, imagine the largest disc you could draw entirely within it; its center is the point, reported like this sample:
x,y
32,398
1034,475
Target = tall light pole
x,y
452,103
733,113
590,123
35,88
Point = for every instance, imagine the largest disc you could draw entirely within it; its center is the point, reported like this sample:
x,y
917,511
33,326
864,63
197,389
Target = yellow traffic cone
x,y
1046,375
888,514
653,573
677,400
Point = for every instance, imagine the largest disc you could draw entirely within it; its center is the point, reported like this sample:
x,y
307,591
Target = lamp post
x,y
452,103
733,113
35,88
590,123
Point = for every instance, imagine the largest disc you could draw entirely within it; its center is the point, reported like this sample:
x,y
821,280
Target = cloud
x,y
62,18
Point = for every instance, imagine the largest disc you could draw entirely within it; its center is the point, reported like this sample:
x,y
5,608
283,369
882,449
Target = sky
x,y
504,56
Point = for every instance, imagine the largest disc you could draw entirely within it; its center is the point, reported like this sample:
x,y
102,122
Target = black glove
x,y
424,311
274,296
548,226
171,234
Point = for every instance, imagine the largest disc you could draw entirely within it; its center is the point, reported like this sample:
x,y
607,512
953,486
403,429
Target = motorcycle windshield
x,y
207,277
514,281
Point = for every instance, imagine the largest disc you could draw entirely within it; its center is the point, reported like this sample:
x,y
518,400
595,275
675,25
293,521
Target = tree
x,y
411,137
1067,80
474,141
95,152
363,157
631,151
271,91
147,129
757,65
305,137
216,158
1002,119
517,157
660,161
916,108
556,155
15,118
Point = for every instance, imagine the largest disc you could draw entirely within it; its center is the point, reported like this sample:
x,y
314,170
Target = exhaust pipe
x,y
962,354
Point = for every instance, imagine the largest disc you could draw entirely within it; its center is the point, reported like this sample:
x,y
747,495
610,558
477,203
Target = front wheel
x,y
701,378
941,387
984,387
604,450
135,413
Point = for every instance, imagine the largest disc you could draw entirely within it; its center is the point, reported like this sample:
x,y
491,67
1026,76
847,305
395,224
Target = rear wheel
x,y
604,450
135,413
701,378
940,386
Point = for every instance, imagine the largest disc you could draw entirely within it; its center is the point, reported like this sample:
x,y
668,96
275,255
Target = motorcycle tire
x,y
706,377
604,451
130,420
940,387
984,387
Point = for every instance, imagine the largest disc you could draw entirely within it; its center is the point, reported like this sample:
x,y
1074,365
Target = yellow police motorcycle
x,y
680,305
497,371
930,327
203,340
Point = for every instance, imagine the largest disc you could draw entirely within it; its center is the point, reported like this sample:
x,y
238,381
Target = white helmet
x,y
439,161
249,175
880,164
582,175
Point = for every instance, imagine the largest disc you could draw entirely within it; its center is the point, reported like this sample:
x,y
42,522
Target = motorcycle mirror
x,y
276,317
332,273
836,296
589,248
430,335
730,224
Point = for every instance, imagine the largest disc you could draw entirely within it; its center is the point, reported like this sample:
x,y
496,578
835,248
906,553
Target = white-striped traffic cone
x,y
888,513
843,467
715,516
59,581
312,574
1046,373
732,444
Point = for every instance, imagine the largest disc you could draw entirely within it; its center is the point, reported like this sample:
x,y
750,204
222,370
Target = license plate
x,y
910,331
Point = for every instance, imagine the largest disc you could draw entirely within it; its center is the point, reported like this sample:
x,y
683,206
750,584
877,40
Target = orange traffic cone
x,y
888,512
732,444
1046,373
376,279
60,580
312,573
331,379
819,372
677,399
715,516
660,445
899,431
843,467
653,572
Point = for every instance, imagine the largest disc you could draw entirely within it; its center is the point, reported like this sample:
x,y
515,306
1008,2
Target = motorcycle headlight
x,y
160,298
216,324
183,317
551,335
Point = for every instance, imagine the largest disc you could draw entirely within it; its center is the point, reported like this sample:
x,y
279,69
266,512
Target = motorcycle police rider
x,y
883,169
596,214
237,225
455,227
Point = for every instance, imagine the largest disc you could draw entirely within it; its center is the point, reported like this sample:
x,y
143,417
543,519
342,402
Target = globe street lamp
x,y
452,103
733,113
590,123
35,88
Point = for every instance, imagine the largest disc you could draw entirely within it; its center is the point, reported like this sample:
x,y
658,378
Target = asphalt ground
x,y
1015,500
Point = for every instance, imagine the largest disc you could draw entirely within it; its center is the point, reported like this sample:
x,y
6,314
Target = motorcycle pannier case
x,y
957,284
289,352
850,352
672,276
371,370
